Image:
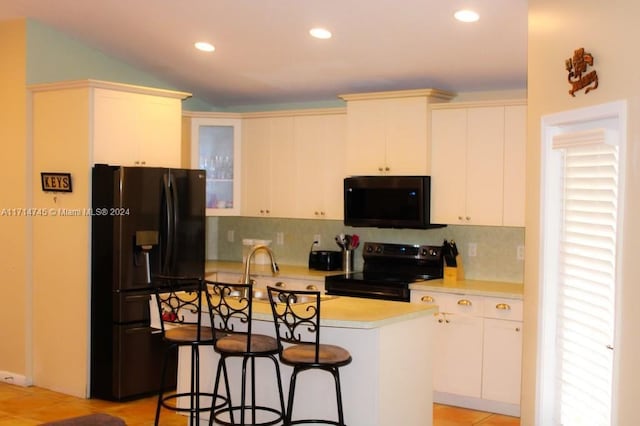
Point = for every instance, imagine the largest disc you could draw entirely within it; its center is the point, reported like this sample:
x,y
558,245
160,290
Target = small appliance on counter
x,y
325,260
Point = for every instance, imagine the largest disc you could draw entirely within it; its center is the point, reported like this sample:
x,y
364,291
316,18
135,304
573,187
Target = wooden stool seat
x,y
306,354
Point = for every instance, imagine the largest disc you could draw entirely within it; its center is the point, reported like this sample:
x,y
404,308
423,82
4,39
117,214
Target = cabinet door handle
x,y
464,302
503,306
386,169
379,169
427,299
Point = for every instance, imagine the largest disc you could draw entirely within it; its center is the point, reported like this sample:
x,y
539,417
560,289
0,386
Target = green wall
x,y
53,56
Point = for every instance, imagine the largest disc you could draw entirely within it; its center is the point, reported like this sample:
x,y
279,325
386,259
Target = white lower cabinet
x,y
477,350
458,355
502,364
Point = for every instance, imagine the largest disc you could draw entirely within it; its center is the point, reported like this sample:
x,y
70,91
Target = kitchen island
x,y
389,381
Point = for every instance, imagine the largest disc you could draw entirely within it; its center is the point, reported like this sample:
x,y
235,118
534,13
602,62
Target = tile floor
x,y
20,406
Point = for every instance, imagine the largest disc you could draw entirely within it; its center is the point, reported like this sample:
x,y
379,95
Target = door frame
x,y
612,115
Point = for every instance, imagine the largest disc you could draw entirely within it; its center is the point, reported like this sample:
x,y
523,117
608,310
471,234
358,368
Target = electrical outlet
x,y
316,238
231,236
279,238
472,249
520,252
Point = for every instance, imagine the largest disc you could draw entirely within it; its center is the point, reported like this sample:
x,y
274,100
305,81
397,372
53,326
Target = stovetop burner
x,y
388,270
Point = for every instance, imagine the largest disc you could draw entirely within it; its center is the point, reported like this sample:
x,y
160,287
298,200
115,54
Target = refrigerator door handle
x,y
168,196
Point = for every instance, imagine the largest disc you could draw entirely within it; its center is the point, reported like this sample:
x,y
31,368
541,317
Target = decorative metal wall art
x,y
578,76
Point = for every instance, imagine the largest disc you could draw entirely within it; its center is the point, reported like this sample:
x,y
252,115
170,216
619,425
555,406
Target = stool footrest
x,y
203,407
248,410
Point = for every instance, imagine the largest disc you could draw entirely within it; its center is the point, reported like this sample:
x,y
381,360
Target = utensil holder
x,y
347,261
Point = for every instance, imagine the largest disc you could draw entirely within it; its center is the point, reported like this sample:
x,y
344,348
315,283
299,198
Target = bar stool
x,y
183,323
296,316
231,305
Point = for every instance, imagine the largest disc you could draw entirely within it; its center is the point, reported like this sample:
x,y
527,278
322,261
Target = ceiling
x,y
264,53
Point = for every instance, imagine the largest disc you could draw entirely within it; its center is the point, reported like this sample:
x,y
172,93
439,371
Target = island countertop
x,y
353,312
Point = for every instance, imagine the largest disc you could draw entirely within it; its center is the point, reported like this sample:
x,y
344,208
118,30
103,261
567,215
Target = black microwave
x,y
388,202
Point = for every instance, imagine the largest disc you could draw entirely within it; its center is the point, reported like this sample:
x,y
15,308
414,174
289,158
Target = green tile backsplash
x,y
496,257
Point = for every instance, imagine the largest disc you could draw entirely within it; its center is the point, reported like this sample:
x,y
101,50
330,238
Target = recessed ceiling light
x,y
320,33
466,15
204,46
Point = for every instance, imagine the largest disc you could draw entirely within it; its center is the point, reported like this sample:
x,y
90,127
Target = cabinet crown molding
x,y
434,94
99,84
267,114
480,104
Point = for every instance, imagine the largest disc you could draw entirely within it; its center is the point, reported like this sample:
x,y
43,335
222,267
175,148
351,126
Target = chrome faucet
x,y
246,276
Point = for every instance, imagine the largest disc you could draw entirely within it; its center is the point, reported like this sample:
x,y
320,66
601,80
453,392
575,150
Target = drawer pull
x,y
503,306
280,284
464,302
427,299
312,287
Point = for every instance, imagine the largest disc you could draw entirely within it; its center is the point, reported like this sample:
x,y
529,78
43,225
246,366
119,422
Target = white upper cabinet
x,y
268,167
387,132
320,160
477,164
215,147
136,128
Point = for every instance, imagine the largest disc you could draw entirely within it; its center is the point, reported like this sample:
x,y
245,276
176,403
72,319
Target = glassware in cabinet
x,y
215,147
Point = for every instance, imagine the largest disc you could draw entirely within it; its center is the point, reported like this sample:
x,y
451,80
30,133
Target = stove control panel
x,y
401,251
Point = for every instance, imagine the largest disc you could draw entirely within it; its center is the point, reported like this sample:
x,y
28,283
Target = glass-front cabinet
x,y
215,147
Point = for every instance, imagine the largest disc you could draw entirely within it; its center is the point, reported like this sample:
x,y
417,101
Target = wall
x,y
609,31
14,193
33,53
496,252
61,244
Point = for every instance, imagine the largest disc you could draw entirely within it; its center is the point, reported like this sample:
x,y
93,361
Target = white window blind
x,y
586,278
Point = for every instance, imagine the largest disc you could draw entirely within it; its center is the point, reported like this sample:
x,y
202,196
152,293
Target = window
x,y
580,237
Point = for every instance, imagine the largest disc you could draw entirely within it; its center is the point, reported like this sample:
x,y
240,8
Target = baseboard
x,y
477,403
14,379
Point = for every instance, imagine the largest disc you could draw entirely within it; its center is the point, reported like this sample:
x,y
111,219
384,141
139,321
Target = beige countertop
x,y
477,287
353,312
480,288
286,271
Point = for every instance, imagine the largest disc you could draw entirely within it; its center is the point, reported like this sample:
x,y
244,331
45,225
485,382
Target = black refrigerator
x,y
145,221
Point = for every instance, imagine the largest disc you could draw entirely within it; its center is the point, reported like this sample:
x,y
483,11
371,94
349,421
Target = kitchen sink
x,y
261,295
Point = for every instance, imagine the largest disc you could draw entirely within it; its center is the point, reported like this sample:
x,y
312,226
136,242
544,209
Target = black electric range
x,y
388,270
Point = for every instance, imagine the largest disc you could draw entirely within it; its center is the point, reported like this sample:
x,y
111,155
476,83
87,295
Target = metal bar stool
x,y
231,305
184,322
296,316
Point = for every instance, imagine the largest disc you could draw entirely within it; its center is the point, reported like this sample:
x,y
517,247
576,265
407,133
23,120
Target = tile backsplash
x,y
496,247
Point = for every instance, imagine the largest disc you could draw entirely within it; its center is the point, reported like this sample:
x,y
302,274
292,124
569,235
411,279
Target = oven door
x,y
340,286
